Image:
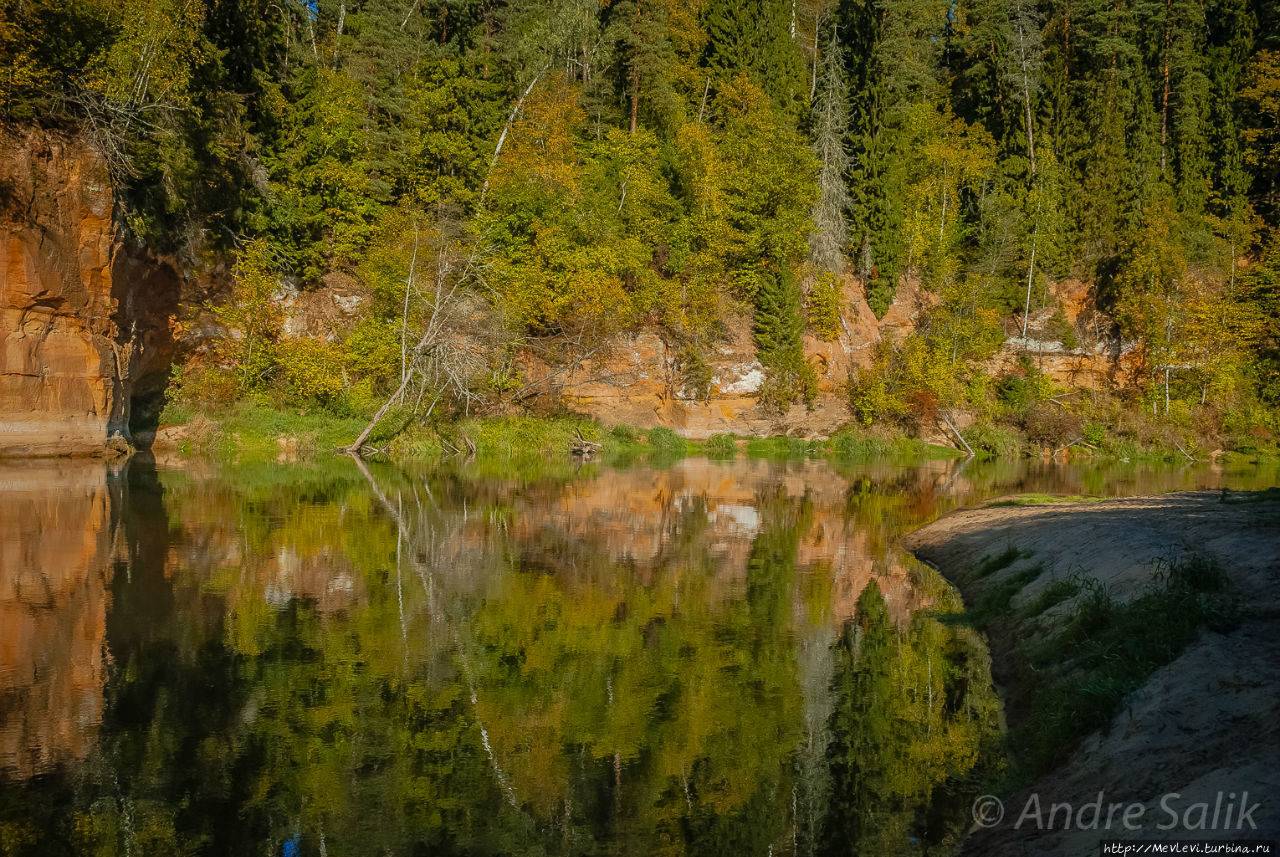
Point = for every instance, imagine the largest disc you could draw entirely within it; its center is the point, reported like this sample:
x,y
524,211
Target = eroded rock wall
x,y
86,321
636,380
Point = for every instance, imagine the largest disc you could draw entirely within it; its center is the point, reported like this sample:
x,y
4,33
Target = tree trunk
x,y
1164,101
511,118
1026,99
1026,309
635,98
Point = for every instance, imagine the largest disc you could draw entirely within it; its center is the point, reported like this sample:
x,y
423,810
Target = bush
x,y
311,368
870,398
1016,392
695,374
625,434
990,441
665,442
721,446
783,386
1094,433
822,306
1048,424
1061,330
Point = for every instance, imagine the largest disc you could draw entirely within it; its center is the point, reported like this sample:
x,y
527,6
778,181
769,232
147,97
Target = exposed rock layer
x,y
85,320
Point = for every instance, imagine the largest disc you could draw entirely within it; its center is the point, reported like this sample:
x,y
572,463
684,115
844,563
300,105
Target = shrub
x,y
721,446
1048,424
1062,330
990,441
311,368
870,398
1094,433
665,442
1015,392
695,374
822,306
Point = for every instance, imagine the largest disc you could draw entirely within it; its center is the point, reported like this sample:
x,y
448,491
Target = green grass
x,y
252,431
721,446
1077,678
1043,500
988,565
996,602
783,447
1055,593
853,445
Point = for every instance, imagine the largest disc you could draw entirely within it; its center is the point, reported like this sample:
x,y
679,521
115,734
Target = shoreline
x,y
266,432
1202,725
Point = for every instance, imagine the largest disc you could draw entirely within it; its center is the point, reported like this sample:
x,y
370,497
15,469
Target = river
x,y
329,658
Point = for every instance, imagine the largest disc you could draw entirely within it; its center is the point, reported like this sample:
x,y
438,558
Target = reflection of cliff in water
x,y
473,660
55,570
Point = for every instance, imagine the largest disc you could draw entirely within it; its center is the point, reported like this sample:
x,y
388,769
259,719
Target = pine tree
x,y
755,37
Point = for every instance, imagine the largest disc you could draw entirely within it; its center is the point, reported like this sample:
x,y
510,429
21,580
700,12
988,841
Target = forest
x,y
539,175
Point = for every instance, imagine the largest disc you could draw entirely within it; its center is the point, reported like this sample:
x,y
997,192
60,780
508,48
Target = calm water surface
x,y
328,660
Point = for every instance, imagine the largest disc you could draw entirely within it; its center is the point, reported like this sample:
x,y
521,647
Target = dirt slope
x,y
1206,723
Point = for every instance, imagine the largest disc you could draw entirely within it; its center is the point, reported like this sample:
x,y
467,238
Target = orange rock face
x,y
84,323
55,554
635,379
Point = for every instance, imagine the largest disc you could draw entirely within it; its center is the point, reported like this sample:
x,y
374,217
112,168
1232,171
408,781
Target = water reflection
x,y
55,551
707,658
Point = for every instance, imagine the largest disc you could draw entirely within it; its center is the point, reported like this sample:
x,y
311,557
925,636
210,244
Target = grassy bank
x,y
256,431
1073,654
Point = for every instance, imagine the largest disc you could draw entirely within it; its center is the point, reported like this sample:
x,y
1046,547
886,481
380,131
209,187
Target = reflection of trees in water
x,y
463,668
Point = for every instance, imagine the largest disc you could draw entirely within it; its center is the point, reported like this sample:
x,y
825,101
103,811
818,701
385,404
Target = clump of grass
x,y
522,437
783,447
994,441
988,565
253,430
995,602
1267,495
721,446
855,445
1043,500
1053,594
664,443
1078,678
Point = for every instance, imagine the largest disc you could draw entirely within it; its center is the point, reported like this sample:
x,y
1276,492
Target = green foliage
x,y
779,326
695,373
251,317
648,163
991,441
994,604
665,443
782,447
822,307
721,446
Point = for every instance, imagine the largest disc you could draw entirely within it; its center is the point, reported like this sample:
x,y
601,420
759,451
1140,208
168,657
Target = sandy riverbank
x,y
1205,723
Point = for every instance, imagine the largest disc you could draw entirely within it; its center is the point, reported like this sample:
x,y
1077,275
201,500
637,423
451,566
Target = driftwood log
x,y
582,447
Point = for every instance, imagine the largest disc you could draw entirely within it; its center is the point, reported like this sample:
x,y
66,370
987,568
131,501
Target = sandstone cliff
x,y
89,328
635,379
86,320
